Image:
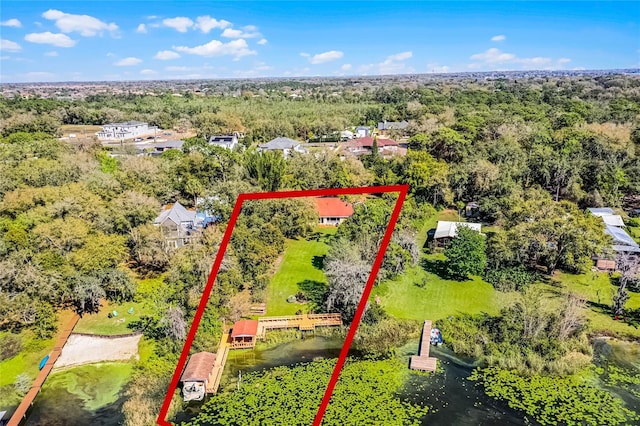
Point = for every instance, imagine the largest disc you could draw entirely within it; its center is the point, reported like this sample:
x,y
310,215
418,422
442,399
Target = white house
x,y
224,141
283,144
124,130
362,132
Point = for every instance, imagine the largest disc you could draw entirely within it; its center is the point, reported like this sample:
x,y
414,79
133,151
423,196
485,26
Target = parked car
x,y
137,140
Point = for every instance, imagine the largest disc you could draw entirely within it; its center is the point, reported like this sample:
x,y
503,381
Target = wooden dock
x,y
305,322
21,412
423,361
218,366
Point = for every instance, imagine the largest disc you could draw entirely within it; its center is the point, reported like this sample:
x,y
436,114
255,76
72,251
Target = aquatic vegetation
x,y
551,400
365,394
622,378
97,385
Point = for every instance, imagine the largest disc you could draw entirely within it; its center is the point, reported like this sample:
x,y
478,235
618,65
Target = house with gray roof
x,y
283,144
177,224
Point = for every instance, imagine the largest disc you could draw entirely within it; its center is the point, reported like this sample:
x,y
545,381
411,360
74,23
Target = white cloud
x,y
86,25
60,40
127,62
148,72
11,23
329,56
207,23
250,28
304,54
399,56
236,48
262,41
499,38
231,33
345,67
52,53
393,64
142,29
9,46
180,23
494,58
165,55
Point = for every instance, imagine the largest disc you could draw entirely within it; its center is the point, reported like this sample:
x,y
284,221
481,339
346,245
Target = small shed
x,y
243,334
472,209
196,376
446,231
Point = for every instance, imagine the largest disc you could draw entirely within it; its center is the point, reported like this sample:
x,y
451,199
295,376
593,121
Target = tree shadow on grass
x,y
439,268
321,237
318,262
316,293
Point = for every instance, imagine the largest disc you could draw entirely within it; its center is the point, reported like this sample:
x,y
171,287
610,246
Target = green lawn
x,y
439,298
100,323
596,288
635,232
296,267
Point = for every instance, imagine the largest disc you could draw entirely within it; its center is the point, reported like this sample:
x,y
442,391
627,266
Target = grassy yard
x,y
597,289
100,323
439,298
301,262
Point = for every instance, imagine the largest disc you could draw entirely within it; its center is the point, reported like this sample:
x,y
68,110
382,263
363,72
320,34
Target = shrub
x,y
10,346
513,278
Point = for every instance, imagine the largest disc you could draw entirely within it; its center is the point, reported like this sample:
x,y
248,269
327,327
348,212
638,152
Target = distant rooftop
x,y
280,143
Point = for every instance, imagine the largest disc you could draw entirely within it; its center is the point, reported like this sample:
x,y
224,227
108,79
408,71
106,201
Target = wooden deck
x,y
423,361
306,322
302,322
27,401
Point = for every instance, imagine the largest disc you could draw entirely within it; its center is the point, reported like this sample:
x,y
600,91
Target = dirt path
x,y
83,349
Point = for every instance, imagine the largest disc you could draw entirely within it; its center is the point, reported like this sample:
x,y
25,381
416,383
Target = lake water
x,y
88,395
92,395
452,398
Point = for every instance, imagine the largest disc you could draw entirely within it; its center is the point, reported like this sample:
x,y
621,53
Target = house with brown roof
x,y
197,375
364,146
332,211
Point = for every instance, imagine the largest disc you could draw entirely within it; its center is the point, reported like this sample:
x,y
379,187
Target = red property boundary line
x,y
402,193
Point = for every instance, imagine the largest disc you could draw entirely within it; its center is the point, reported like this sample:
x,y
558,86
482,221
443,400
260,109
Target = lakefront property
x,y
452,248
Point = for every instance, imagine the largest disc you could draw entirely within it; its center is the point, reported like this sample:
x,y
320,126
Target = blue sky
x,y
118,40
